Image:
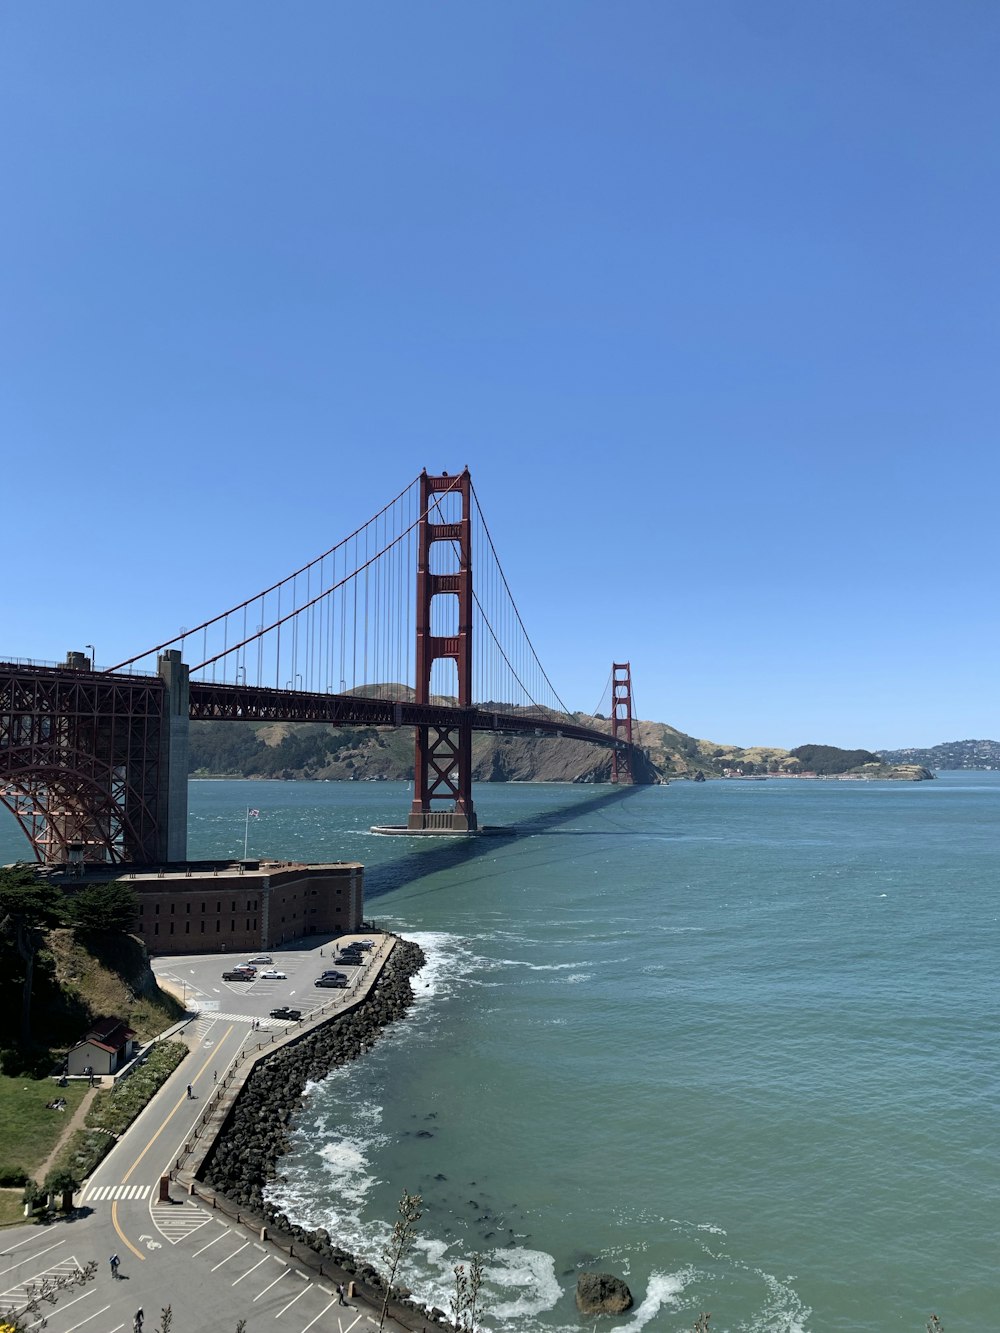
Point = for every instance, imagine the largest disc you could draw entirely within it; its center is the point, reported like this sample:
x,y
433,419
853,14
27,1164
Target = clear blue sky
x,y
705,294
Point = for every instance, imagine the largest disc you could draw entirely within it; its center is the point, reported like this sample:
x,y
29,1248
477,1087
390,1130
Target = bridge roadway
x,y
257,703
209,1268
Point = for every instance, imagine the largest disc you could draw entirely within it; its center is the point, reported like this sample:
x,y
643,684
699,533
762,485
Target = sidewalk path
x,y
75,1122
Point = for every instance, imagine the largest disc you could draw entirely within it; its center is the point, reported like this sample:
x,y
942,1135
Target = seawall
x,y
255,1134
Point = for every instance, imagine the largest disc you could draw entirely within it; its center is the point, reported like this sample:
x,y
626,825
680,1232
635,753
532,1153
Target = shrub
x,y
114,1111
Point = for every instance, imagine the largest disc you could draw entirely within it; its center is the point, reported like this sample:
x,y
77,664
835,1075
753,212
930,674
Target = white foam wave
x,y
784,1312
531,1274
450,961
663,1289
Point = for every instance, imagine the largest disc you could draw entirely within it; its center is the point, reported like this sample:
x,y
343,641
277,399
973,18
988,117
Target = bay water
x,y
735,1042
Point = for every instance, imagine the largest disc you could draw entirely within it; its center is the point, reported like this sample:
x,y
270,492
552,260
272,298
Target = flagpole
x,y
246,834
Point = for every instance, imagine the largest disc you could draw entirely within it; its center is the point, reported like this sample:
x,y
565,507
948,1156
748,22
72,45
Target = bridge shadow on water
x,y
427,856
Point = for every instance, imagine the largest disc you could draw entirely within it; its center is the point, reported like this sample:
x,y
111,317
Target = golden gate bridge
x,y
379,630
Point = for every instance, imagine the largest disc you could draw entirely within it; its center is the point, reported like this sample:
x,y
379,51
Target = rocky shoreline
x,y
256,1135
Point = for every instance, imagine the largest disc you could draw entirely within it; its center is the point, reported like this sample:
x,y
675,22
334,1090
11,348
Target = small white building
x,y
108,1045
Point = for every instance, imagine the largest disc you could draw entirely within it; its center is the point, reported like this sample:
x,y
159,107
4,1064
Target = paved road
x,y
209,1270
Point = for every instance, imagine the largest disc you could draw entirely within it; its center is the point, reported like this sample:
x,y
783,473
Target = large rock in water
x,y
601,1293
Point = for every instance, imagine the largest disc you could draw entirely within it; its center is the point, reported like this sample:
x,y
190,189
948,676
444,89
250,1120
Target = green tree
x,y
62,1181
111,907
28,905
404,1233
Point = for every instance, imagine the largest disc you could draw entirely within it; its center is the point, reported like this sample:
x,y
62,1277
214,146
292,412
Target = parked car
x,y
239,974
261,958
331,983
272,974
332,972
283,1011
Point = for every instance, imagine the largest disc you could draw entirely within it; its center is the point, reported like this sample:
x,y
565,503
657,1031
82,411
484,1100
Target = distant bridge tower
x,y
621,722
443,755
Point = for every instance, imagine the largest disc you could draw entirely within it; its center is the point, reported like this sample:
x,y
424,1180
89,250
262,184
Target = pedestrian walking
x,y
137,1321
190,1093
215,1076
340,1294
113,1262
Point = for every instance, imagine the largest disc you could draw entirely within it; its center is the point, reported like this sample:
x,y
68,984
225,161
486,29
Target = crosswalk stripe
x,y
100,1192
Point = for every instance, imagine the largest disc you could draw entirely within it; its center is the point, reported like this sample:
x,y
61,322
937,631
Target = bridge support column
x,y
174,743
621,722
443,755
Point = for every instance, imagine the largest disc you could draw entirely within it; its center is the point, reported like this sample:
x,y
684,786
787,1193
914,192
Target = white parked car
x,y
272,974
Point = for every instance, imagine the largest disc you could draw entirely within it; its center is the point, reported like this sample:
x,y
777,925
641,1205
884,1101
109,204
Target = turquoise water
x,y
736,1042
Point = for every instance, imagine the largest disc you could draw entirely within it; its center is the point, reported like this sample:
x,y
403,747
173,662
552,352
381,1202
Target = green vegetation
x,y
114,1111
65,959
62,1181
11,1207
27,906
824,759
111,1113
111,908
289,750
29,1132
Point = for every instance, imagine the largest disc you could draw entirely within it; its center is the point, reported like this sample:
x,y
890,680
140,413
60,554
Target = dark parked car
x,y
332,972
239,974
331,983
283,1011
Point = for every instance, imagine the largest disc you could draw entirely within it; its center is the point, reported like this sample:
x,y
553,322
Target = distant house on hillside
x,y
108,1045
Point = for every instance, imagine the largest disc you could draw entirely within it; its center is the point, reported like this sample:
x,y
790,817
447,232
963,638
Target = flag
x,y
253,814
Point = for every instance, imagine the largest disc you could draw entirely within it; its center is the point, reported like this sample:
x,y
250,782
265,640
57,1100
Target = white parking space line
x,y
319,1316
250,1270
294,1299
221,1236
63,1307
88,1319
30,1240
231,1256
33,1256
273,1284
19,1293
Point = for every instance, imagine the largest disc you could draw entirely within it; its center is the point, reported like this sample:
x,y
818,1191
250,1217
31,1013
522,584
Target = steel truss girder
x,y
79,761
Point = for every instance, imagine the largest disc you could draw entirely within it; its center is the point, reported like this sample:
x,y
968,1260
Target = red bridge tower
x,y
443,755
621,722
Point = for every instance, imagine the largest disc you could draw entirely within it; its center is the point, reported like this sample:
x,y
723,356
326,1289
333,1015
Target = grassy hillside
x,y
78,977
369,754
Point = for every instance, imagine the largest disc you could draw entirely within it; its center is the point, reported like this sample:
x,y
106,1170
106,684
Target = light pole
x,y
93,656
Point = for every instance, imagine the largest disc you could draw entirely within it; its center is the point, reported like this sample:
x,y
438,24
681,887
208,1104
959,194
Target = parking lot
x,y
225,1270
197,981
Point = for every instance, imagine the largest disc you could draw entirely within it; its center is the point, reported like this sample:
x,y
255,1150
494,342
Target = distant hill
x,y
371,754
950,754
